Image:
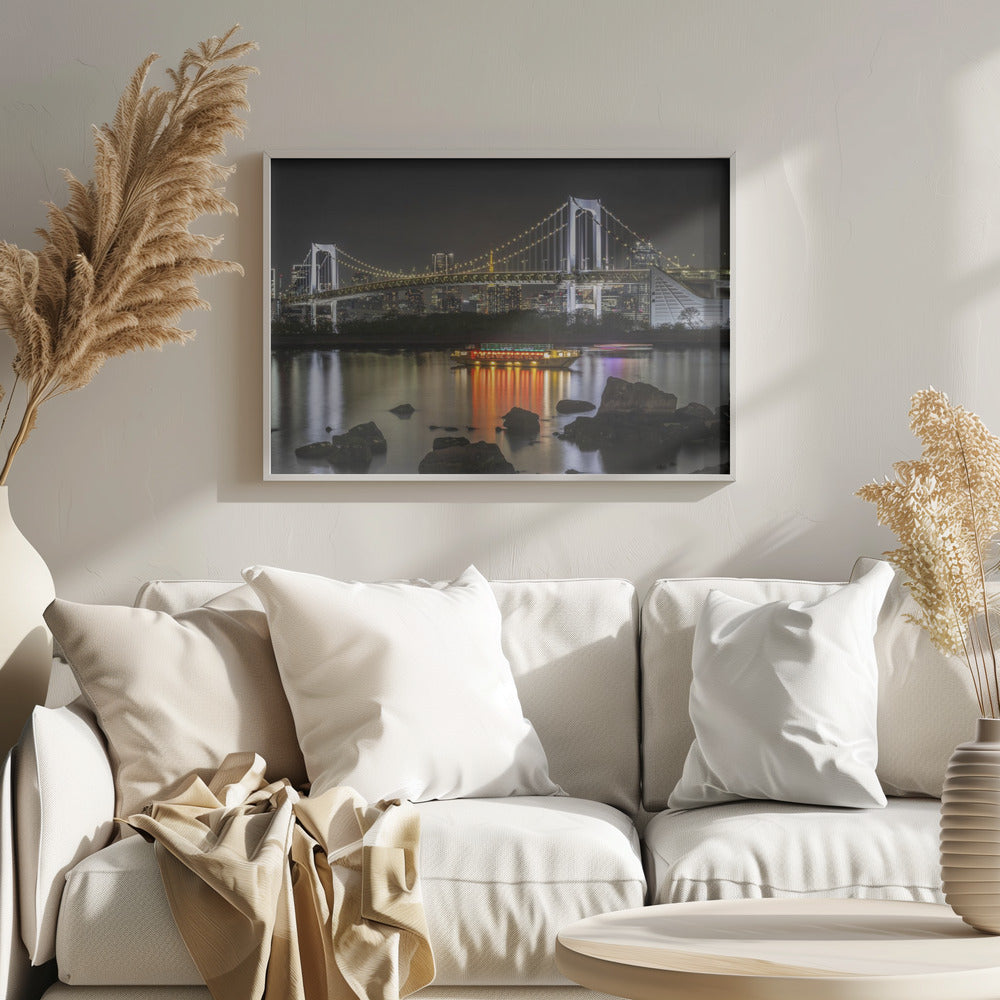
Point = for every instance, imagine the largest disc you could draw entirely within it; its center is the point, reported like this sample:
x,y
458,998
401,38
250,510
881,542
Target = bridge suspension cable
x,y
542,246
483,258
370,269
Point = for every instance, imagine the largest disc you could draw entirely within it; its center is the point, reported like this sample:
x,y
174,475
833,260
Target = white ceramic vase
x,y
26,589
970,829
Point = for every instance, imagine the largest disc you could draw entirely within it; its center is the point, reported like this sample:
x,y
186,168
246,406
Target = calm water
x,y
315,389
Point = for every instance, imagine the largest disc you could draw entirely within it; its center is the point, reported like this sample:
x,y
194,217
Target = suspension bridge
x,y
581,246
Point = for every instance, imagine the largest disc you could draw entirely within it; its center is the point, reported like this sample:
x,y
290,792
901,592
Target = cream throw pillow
x,y
178,693
401,690
783,700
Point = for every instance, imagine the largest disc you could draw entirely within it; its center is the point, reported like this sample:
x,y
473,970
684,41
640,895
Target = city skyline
x,y
396,213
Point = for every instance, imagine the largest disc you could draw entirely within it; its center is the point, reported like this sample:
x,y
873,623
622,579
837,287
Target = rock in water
x,y
318,451
449,442
350,453
371,434
403,410
645,437
521,422
574,406
481,458
694,412
638,425
635,399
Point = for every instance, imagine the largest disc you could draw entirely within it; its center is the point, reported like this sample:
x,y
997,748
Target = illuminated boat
x,y
515,356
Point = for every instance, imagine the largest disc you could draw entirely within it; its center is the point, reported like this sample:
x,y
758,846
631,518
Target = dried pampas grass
x,y
945,510
118,263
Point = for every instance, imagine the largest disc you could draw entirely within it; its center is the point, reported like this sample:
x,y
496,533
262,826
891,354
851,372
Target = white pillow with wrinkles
x,y
401,690
783,700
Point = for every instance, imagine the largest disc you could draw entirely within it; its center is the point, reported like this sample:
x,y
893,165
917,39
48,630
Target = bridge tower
x,y
592,226
317,267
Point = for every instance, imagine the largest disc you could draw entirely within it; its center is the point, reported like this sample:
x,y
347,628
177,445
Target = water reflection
x,y
312,390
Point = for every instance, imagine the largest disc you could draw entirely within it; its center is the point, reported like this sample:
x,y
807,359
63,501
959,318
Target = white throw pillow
x,y
401,690
178,693
783,700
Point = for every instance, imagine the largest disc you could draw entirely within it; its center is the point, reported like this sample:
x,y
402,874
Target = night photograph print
x,y
441,318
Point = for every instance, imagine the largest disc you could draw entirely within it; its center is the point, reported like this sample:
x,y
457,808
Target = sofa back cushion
x,y
669,615
926,704
572,649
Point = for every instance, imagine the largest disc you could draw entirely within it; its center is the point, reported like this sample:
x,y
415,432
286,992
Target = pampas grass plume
x,y
118,263
944,509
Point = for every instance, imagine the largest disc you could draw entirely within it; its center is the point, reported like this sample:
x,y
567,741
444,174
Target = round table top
x,y
781,948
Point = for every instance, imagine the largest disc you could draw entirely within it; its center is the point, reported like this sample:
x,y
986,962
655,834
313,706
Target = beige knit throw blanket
x,y
282,897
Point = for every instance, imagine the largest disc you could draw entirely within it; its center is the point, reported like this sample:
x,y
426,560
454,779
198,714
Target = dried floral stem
x,y
982,572
118,263
10,399
969,639
945,510
976,681
27,423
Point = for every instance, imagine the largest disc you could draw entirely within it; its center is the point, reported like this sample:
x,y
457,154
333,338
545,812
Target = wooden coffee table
x,y
779,949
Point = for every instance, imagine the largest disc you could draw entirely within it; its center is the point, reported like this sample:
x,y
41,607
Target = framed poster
x,y
474,317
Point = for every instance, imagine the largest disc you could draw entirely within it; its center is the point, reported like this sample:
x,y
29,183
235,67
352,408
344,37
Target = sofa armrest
x,y
64,797
18,980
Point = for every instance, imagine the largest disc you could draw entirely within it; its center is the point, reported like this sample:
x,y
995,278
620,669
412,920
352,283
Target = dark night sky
x,y
395,212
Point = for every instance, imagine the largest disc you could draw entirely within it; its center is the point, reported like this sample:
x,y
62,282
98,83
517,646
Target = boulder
x,y
481,458
694,413
574,406
723,414
318,451
609,432
637,399
353,450
350,452
521,422
639,425
403,410
449,442
588,433
370,433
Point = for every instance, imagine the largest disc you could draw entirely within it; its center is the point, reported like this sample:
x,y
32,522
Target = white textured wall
x,y
865,254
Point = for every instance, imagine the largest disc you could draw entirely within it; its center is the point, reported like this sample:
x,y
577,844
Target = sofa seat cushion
x,y
500,878
758,849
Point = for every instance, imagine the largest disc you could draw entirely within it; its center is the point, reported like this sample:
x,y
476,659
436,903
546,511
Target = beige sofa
x,y
605,685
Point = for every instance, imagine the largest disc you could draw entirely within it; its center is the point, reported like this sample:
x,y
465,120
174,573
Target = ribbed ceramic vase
x,y
25,643
970,829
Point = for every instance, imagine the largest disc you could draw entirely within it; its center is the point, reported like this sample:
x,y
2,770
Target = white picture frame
x,y
583,277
